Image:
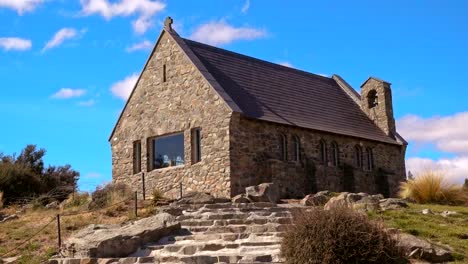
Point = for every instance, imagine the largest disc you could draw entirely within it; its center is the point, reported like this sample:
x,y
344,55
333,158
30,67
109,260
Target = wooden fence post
x,y
143,183
136,204
59,233
180,189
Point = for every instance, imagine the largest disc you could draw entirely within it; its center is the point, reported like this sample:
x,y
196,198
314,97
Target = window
x,y
335,154
372,99
164,73
167,151
196,145
323,151
296,148
358,156
283,144
370,159
136,157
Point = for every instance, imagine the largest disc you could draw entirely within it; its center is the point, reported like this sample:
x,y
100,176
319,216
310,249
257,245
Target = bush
x,y
336,236
24,178
430,186
76,200
109,194
157,195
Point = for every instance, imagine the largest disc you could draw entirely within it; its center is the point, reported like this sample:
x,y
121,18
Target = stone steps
x,y
224,233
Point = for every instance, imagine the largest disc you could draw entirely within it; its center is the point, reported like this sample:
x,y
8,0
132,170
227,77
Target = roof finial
x,y
168,23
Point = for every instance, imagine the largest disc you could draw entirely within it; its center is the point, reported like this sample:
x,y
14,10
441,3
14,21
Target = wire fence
x,y
57,220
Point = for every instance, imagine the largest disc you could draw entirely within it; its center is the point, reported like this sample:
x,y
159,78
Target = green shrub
x,y
337,236
430,186
109,194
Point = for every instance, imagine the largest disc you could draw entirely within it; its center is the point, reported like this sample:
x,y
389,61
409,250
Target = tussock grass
x,y
431,186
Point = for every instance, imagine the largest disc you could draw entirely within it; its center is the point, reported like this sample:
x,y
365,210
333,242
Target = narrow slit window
x,y
335,154
196,145
358,156
164,73
136,157
283,145
323,152
370,159
297,148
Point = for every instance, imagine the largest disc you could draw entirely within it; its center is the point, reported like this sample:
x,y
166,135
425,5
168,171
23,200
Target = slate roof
x,y
276,93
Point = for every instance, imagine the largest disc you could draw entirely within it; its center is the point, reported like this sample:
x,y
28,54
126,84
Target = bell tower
x,y
376,102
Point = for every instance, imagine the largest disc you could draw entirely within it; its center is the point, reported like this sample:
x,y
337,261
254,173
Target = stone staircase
x,y
224,233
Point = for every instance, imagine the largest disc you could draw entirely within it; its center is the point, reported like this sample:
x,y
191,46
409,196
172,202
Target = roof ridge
x,y
258,60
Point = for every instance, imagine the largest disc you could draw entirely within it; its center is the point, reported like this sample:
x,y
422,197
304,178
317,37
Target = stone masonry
x,y
185,101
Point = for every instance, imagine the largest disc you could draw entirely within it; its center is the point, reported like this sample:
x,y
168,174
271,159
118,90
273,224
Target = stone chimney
x,y
376,102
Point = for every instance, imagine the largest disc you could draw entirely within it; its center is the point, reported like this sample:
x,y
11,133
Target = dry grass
x,y
44,245
1,200
430,186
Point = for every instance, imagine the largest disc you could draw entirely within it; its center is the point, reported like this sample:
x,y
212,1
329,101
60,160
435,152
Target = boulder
x,y
362,202
392,204
241,198
197,198
52,205
8,218
265,192
318,199
113,241
418,248
427,211
448,213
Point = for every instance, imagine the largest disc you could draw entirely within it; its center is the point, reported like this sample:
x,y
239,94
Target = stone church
x,y
217,121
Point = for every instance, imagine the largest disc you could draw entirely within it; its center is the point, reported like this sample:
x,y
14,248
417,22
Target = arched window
x,y
372,99
370,159
296,148
323,151
335,154
358,156
283,146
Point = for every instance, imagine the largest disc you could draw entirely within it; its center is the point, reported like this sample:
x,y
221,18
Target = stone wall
x,y
185,101
255,158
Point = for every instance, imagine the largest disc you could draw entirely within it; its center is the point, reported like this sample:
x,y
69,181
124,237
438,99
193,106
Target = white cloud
x,y
21,6
15,44
93,175
123,88
456,169
66,93
447,133
87,103
219,33
62,35
144,45
286,63
246,7
145,9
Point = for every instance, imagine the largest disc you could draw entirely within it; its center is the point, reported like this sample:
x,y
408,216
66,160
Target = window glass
x,y
323,152
297,148
283,147
168,151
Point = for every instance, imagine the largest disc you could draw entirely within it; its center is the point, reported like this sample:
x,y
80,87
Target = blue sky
x,y
66,66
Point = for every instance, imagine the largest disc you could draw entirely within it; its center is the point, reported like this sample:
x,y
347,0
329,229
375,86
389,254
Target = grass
x,y
44,245
451,230
431,186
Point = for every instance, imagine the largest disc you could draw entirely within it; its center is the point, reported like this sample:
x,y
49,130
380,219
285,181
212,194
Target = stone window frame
x,y
150,151
358,157
323,152
196,145
335,154
370,159
283,147
296,144
136,156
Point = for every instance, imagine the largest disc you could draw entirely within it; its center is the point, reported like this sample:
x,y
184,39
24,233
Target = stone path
x,y
224,233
